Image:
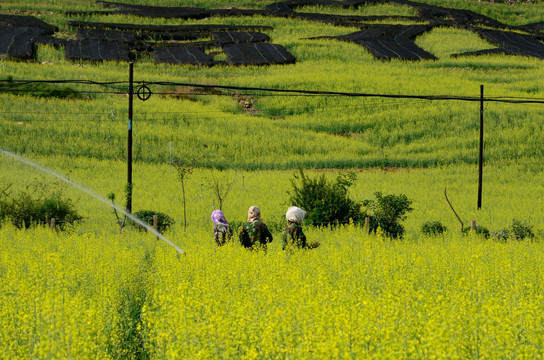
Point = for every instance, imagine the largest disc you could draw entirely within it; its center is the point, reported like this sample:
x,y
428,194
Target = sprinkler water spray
x,y
105,201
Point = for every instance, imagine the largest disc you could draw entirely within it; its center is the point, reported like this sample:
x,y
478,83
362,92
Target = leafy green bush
x,y
521,230
37,205
164,221
433,228
480,230
501,235
518,230
386,212
326,203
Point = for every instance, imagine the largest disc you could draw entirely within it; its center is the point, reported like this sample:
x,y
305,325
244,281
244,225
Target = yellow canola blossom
x,y
61,294
355,297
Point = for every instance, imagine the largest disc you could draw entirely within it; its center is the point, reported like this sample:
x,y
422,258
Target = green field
x,y
94,293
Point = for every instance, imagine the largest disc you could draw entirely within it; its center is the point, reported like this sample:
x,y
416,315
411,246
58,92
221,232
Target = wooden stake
x,y
156,224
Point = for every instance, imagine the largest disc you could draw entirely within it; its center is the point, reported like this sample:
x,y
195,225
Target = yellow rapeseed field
x,y
356,296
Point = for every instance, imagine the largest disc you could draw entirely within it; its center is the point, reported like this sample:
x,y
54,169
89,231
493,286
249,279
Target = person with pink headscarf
x,y
221,229
255,233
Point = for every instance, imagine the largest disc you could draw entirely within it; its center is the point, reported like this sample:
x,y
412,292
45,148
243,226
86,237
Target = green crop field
x,y
93,292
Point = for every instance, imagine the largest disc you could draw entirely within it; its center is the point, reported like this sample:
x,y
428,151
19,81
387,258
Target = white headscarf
x,y
295,214
254,214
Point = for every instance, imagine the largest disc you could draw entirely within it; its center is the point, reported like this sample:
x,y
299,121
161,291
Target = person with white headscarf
x,y
221,229
255,233
293,236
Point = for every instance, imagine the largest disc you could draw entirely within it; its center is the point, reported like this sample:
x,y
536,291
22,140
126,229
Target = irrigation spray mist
x,y
81,188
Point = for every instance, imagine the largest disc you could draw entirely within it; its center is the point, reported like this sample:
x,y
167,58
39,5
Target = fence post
x,y
156,224
367,225
473,225
52,224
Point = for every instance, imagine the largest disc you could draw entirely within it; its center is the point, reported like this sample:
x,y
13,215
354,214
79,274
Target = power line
x,y
285,92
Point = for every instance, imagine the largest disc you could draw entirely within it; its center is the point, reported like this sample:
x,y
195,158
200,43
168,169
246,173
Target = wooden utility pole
x,y
129,149
481,154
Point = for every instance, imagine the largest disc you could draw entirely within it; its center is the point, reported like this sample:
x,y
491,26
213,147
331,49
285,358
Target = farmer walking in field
x,y
255,233
221,229
293,236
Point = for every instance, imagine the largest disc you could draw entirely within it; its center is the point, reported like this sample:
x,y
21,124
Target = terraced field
x,y
248,94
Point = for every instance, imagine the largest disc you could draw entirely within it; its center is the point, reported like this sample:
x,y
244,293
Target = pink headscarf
x,y
254,214
219,218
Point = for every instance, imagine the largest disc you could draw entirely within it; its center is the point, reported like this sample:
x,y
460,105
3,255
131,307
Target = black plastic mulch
x,y
167,28
96,50
514,43
107,35
27,21
156,11
18,41
173,12
537,27
390,41
426,13
49,40
257,54
498,51
453,17
229,37
111,41
287,8
170,36
182,55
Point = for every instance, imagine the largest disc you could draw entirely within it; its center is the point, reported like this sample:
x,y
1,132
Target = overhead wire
x,y
284,92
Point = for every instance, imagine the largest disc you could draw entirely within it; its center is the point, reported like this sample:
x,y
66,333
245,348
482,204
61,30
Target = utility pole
x,y
481,154
129,148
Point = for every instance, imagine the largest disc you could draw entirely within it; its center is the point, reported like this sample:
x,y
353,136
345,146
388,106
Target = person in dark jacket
x,y
255,233
293,236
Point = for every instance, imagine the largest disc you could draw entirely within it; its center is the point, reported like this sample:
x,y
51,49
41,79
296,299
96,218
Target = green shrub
x,y
326,203
433,228
518,230
386,212
37,205
480,230
501,235
521,230
164,221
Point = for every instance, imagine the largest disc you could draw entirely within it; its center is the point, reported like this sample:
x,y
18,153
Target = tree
x,y
37,204
184,169
325,202
221,189
387,212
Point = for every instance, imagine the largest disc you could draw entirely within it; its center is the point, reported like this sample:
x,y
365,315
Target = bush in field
x,y
518,230
433,228
37,205
521,230
386,212
480,230
501,235
326,202
164,221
